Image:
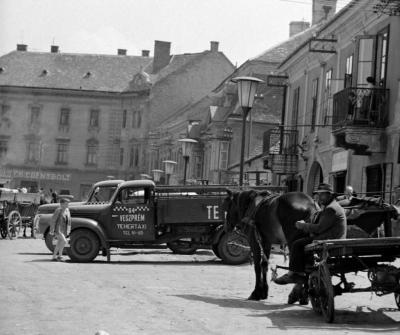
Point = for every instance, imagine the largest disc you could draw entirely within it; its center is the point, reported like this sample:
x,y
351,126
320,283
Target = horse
x,y
266,219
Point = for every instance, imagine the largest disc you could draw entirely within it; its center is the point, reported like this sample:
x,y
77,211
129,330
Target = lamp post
x,y
247,87
187,146
169,169
157,175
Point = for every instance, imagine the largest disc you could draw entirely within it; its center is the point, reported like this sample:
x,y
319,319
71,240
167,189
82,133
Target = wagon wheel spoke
x,y
14,224
326,293
313,291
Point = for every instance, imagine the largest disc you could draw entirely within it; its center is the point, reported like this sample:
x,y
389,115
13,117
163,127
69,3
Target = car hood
x,y
50,208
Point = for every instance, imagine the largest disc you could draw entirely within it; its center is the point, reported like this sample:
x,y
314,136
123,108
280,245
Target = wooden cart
x,y
17,212
336,258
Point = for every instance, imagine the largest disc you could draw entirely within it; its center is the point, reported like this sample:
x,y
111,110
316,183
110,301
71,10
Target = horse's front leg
x,y
259,271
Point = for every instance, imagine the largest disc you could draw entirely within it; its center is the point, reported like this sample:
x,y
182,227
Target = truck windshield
x,y
102,193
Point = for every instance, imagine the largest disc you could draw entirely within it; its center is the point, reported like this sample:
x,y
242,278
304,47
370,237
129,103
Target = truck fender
x,y
92,225
219,231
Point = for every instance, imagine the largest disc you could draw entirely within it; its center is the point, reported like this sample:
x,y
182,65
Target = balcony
x,y
282,154
359,118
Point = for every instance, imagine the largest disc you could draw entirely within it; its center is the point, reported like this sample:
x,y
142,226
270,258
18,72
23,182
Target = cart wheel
x,y
397,299
14,225
326,294
3,228
182,247
233,248
313,291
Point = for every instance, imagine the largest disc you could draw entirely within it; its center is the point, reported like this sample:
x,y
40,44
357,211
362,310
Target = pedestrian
x,y
42,196
60,227
330,223
54,197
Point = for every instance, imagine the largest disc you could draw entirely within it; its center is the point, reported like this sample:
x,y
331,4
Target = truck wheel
x,y
49,241
214,248
233,248
181,247
84,246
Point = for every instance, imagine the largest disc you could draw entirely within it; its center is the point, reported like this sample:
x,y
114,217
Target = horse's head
x,y
236,205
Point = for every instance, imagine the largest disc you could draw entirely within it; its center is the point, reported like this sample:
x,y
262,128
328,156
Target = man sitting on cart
x,y
329,223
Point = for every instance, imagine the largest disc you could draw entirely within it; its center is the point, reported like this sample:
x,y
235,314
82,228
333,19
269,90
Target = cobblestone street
x,y
157,292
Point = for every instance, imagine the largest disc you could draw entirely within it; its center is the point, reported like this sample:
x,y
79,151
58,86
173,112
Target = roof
x,y
138,183
110,182
318,29
111,73
280,51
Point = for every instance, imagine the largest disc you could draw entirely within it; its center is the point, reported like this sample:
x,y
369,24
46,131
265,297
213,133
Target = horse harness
x,y
249,219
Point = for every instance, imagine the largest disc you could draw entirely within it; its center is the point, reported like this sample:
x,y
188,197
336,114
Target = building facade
x,y
343,100
69,120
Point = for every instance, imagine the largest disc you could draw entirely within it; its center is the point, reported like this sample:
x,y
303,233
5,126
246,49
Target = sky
x,y
243,28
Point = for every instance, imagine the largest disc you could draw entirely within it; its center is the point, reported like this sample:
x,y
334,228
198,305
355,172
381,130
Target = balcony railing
x,y
283,141
282,154
360,107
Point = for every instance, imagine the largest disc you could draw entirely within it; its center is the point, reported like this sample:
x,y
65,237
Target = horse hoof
x,y
303,301
253,297
292,299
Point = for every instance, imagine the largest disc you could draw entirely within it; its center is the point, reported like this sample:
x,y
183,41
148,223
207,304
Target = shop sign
x,y
339,161
284,164
33,174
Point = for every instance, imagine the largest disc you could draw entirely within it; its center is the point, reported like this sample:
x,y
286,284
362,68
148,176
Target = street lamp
x,y
187,147
247,87
169,169
157,175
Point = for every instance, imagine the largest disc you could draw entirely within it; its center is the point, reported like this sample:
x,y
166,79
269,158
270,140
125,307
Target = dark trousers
x,y
297,260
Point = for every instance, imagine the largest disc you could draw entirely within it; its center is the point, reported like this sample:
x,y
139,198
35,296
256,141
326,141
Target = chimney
x,y
54,49
145,53
121,52
214,46
161,55
323,10
296,27
22,47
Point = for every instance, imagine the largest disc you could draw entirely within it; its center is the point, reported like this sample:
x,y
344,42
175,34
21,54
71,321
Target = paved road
x,y
156,292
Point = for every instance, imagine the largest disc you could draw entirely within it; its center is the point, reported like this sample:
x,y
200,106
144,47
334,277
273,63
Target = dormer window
x,y
87,74
44,73
2,69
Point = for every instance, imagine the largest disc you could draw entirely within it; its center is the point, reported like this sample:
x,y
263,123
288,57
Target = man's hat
x,y
324,188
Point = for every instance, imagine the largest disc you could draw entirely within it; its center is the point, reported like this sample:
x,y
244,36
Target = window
x,y
136,155
62,153
366,47
121,156
382,51
223,155
124,119
94,118
197,167
327,102
314,103
33,152
348,76
134,196
64,117
3,148
92,153
295,107
35,115
131,158
136,119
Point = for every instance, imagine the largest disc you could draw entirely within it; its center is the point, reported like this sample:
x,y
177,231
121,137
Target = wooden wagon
x,y
17,212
